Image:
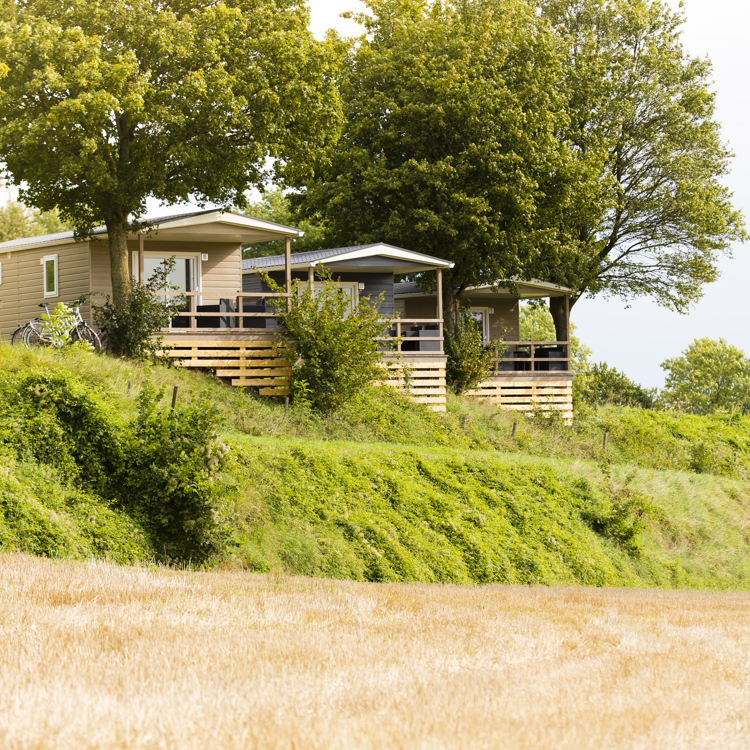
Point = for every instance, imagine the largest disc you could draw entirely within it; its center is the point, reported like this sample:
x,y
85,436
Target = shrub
x,y
131,330
159,468
165,477
336,349
604,385
709,376
469,361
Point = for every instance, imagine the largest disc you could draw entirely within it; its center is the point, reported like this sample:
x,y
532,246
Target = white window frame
x,y
181,256
55,259
353,285
485,311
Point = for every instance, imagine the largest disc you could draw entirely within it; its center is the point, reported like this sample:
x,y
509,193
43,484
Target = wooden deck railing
x,y
413,336
531,356
232,316
416,336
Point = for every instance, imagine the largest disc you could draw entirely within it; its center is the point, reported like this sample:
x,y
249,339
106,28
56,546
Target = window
x,y
348,288
186,274
481,317
49,265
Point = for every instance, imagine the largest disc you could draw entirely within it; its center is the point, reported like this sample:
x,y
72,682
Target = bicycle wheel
x,y
33,338
84,333
17,337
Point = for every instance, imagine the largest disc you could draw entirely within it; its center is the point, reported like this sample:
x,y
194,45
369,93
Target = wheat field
x,y
98,656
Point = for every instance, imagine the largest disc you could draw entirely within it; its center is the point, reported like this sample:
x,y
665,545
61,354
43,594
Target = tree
x,y
449,147
106,104
17,222
468,360
641,117
709,376
274,206
603,385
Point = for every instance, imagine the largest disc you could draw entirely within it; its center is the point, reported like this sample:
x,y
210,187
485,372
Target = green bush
x,y
604,385
469,362
159,467
132,330
336,350
165,477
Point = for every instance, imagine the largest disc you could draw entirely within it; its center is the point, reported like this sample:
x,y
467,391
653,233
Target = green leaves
x,y
654,213
334,342
450,138
710,376
109,103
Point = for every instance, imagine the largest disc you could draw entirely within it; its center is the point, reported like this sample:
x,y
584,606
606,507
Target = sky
x,y
638,337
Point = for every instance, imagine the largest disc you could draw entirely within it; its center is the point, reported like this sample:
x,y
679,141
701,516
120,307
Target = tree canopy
x,y
569,140
275,206
641,116
16,221
709,376
107,103
449,146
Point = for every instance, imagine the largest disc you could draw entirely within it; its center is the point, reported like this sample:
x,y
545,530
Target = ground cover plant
x,y
381,489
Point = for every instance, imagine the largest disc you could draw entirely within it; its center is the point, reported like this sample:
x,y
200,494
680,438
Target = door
x,y
481,318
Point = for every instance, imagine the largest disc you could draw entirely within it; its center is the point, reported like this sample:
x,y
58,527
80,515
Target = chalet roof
x,y
526,289
355,254
192,220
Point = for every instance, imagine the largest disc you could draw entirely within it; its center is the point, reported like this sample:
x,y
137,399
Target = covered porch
x,y
239,335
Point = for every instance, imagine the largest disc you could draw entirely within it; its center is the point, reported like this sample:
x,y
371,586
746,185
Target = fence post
x,y
174,396
513,431
604,441
130,386
286,407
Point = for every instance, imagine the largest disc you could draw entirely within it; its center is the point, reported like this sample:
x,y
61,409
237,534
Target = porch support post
x,y
567,329
288,269
311,278
140,257
439,274
439,281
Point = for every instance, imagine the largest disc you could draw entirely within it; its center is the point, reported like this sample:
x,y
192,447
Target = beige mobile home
x,y
55,268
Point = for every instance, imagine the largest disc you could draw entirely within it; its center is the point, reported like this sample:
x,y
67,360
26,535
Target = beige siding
x,y
221,274
22,286
419,308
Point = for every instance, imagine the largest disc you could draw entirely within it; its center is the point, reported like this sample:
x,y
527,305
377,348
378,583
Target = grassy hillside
x,y
387,490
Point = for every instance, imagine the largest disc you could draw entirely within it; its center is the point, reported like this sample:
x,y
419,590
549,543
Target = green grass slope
x,y
386,490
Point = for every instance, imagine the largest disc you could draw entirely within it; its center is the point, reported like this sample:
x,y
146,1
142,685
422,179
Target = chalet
x,y
526,375
229,324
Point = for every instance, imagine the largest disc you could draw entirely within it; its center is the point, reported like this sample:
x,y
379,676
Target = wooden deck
x,y
260,360
530,392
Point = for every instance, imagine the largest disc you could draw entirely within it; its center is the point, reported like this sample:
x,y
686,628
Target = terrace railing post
x,y
398,336
140,258
193,299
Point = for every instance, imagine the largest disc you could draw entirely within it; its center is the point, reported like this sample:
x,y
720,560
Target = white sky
x,y
639,338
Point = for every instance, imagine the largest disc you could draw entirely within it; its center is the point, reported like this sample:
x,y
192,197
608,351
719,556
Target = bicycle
x,y
79,330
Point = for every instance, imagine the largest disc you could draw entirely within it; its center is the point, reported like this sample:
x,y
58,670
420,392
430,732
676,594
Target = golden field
x,y
98,656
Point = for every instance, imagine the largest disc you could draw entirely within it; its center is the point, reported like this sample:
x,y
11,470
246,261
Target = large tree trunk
x,y
559,308
117,231
450,302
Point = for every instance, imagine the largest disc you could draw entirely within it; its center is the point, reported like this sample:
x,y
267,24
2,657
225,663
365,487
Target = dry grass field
x,y
98,656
